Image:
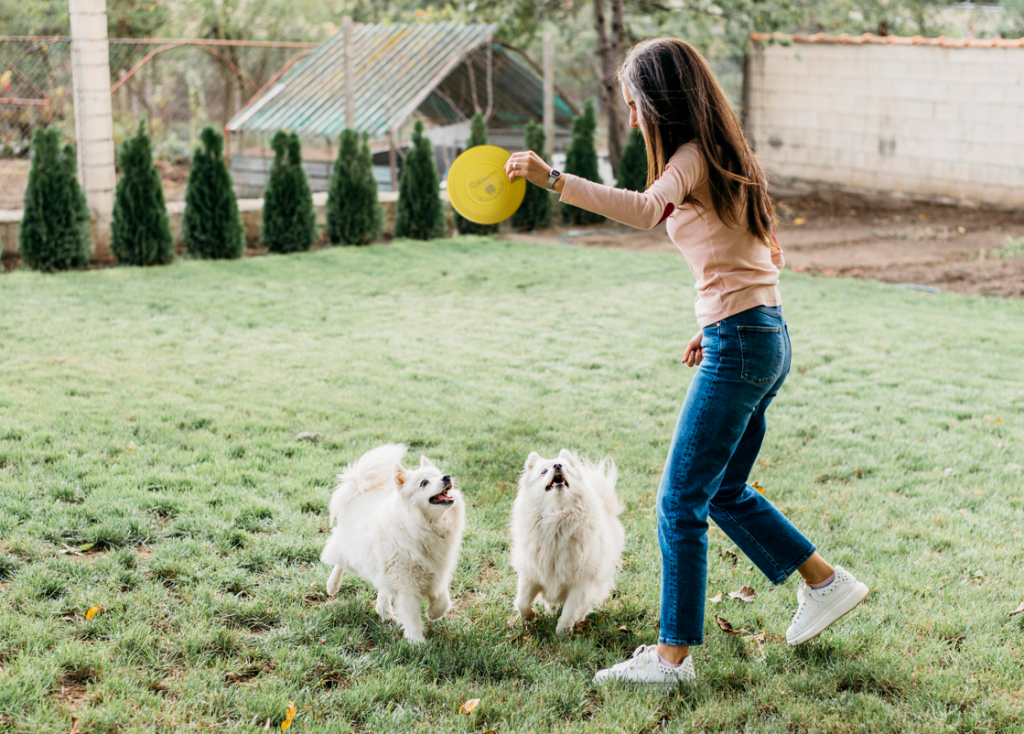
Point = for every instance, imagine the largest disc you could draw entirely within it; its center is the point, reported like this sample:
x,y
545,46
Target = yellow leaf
x,y
758,487
468,706
288,719
716,598
5,80
93,611
799,220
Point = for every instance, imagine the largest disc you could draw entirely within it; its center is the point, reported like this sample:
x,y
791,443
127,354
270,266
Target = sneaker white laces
x,y
638,659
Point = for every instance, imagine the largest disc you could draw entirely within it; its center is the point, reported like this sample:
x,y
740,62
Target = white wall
x,y
925,121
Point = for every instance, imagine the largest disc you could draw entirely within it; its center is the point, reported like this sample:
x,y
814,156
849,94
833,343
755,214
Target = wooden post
x,y
393,160
350,79
549,96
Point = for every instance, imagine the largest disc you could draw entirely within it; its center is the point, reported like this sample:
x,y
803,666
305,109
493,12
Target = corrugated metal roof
x,y
398,69
869,38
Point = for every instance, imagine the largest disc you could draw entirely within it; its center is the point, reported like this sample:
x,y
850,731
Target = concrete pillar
x,y
94,122
549,96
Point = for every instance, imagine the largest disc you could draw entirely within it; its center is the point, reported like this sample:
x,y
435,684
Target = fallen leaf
x,y
311,437
922,216
726,627
5,80
999,421
745,593
856,271
93,611
266,727
758,487
727,554
291,715
1019,609
60,360
74,725
961,230
716,598
84,548
799,220
491,731
468,706
623,629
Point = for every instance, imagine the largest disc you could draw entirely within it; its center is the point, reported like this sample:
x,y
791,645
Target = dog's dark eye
x,y
544,472
425,482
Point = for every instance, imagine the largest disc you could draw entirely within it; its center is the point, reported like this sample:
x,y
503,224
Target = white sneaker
x,y
645,668
821,607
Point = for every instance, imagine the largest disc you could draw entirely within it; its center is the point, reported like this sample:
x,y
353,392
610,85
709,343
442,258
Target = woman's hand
x,y
694,354
527,164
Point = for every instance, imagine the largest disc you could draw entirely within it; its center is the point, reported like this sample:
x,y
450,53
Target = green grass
x,y
153,415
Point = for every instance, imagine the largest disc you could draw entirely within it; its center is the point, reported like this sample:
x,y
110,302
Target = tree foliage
x,y
420,213
581,160
538,204
211,226
289,218
141,230
354,213
56,226
477,136
632,172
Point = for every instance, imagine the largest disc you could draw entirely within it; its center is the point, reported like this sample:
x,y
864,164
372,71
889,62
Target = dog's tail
x,y
604,475
373,471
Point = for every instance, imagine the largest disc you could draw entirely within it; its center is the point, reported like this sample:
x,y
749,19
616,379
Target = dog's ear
x,y
531,460
567,456
401,474
424,461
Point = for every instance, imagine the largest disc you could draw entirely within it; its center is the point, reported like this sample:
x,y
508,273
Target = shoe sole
x,y
669,687
843,607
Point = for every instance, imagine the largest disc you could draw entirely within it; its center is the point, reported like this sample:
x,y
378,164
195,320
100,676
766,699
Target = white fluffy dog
x,y
399,529
566,535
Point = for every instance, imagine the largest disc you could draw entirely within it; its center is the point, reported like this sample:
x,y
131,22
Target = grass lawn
x,y
149,423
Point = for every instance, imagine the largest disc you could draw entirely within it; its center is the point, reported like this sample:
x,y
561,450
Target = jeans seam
x,y
789,572
679,643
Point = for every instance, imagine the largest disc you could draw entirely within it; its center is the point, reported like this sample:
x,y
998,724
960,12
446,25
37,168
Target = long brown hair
x,y
678,101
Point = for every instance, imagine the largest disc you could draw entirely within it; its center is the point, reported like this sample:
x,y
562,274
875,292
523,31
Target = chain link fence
x,y
177,86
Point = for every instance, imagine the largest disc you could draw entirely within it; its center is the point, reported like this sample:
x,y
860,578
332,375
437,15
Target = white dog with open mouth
x,y
566,535
399,529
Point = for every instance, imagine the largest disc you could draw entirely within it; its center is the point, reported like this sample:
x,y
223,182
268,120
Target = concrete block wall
x,y
924,121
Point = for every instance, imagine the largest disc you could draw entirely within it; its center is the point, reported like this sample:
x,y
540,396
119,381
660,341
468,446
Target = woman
x,y
704,180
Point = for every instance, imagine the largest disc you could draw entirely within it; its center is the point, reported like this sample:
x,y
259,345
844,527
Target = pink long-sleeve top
x,y
733,269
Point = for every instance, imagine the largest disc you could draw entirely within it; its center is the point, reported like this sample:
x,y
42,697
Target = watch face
x,y
555,173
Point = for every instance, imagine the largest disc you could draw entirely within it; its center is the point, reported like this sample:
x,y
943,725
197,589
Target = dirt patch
x,y
888,239
72,693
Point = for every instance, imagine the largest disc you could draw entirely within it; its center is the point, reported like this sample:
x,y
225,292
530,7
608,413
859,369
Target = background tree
x,y
354,213
420,213
538,205
140,233
581,159
632,171
477,136
56,226
211,225
289,219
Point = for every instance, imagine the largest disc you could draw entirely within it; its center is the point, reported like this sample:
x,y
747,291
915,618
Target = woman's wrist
x,y
559,184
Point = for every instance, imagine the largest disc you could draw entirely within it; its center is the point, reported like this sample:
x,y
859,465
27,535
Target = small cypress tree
x,y
289,219
632,173
538,204
477,136
140,233
56,226
581,160
211,225
420,212
354,213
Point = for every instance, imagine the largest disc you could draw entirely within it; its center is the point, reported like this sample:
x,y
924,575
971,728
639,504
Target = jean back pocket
x,y
762,351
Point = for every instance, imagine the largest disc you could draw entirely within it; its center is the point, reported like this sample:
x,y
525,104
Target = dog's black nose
x,y
557,467
446,479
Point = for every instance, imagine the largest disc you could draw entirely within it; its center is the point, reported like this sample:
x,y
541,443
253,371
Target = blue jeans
x,y
720,429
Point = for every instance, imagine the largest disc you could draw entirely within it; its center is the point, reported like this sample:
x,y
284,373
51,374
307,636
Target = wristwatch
x,y
552,177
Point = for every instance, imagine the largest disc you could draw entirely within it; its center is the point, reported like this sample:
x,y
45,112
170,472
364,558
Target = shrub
x,y
141,231
211,225
354,213
477,136
420,213
581,160
289,219
56,226
538,204
632,173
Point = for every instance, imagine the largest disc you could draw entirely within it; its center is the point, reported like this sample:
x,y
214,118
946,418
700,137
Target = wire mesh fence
x,y
177,86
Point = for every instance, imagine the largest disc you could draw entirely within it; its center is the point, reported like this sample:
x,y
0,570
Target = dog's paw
x,y
563,629
438,609
527,614
415,639
334,581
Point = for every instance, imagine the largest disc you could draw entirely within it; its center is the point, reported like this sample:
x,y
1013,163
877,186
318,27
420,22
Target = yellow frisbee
x,y
480,190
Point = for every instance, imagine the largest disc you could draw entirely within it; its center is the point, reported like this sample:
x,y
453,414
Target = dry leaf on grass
x,y
758,487
623,628
290,717
74,725
716,598
468,706
266,727
745,593
312,437
1019,609
726,627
